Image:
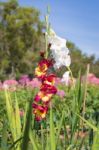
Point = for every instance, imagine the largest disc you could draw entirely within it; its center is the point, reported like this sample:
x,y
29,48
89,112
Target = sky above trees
x,y
76,20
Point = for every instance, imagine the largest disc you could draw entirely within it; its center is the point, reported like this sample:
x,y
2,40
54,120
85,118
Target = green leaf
x,y
4,137
10,114
88,123
34,143
95,145
52,131
59,128
27,127
17,119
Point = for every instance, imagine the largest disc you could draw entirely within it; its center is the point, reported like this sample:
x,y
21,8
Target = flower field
x,y
69,124
50,112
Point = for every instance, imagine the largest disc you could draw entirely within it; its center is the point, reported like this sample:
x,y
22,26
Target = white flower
x,y
56,40
66,60
52,32
65,78
60,52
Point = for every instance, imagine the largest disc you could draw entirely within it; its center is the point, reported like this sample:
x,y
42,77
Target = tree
x,y
95,68
20,36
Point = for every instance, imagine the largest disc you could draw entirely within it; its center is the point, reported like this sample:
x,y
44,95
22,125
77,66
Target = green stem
x,y
85,94
46,46
47,29
71,74
42,137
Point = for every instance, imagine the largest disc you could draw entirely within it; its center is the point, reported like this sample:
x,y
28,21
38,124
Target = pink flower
x,y
35,83
10,83
21,113
93,79
57,81
61,93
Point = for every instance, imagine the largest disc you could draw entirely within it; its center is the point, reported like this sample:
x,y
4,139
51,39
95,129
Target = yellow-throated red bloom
x,y
40,71
43,96
39,111
48,88
43,66
50,79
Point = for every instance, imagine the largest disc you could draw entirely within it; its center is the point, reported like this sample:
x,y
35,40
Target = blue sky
x,y
75,20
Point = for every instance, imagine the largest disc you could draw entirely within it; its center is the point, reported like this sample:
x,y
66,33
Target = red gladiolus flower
x,y
40,71
46,61
48,88
42,68
39,111
37,98
45,97
50,79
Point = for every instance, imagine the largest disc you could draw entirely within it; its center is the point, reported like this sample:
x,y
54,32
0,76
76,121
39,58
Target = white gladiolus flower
x,y
56,40
60,52
65,78
61,61
52,32
67,60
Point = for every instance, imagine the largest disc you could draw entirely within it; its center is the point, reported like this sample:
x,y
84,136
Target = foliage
x,y
20,36
80,60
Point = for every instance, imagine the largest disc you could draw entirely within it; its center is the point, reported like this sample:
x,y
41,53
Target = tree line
x,y
21,39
